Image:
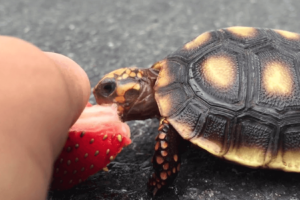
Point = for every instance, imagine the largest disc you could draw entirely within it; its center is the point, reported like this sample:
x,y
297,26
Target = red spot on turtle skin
x,y
159,160
175,157
156,146
163,144
160,127
174,170
163,175
166,166
164,153
169,173
162,136
178,167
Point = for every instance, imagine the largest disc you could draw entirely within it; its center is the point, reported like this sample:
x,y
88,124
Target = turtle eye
x,y
108,88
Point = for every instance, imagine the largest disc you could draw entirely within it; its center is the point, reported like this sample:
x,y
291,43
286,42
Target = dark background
x,y
103,35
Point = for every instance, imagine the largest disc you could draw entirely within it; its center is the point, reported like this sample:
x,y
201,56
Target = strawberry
x,y
94,141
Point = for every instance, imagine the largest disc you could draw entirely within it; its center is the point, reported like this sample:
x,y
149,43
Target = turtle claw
x,y
154,184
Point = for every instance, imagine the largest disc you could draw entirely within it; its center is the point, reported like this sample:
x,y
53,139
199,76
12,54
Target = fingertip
x,y
77,80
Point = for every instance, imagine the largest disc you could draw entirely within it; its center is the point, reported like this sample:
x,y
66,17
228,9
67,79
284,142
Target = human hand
x,y
42,95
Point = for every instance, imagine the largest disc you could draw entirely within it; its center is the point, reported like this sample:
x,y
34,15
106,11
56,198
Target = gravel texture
x,y
104,35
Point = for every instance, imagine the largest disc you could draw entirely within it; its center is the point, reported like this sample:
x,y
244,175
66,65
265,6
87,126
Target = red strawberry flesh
x,y
94,140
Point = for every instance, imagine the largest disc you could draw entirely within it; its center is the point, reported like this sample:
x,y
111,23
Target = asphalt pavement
x,y
102,35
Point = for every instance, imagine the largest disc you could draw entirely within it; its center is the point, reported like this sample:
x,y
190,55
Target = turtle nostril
x,y
108,88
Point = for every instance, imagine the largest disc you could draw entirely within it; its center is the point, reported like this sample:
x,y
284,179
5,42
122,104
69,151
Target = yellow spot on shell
x,y
86,155
219,71
76,159
198,41
92,140
244,32
69,162
277,79
82,169
119,138
104,137
288,35
96,153
92,166
111,158
107,151
76,146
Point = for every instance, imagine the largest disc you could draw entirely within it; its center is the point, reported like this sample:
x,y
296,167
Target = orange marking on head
x,y
139,75
124,76
198,41
137,87
132,74
159,65
121,89
120,99
288,35
117,72
220,71
120,109
277,79
244,32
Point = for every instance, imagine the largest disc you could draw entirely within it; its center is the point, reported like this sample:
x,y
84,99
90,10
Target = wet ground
x,y
104,35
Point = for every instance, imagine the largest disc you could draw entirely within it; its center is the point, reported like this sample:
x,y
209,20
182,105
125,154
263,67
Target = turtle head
x,y
132,90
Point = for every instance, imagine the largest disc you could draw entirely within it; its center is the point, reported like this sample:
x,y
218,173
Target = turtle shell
x,y
235,92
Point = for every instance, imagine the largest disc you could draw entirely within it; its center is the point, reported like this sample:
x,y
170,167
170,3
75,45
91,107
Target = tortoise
x,y
234,92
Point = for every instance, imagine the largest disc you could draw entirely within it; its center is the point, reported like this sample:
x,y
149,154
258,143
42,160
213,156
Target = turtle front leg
x,y
166,159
